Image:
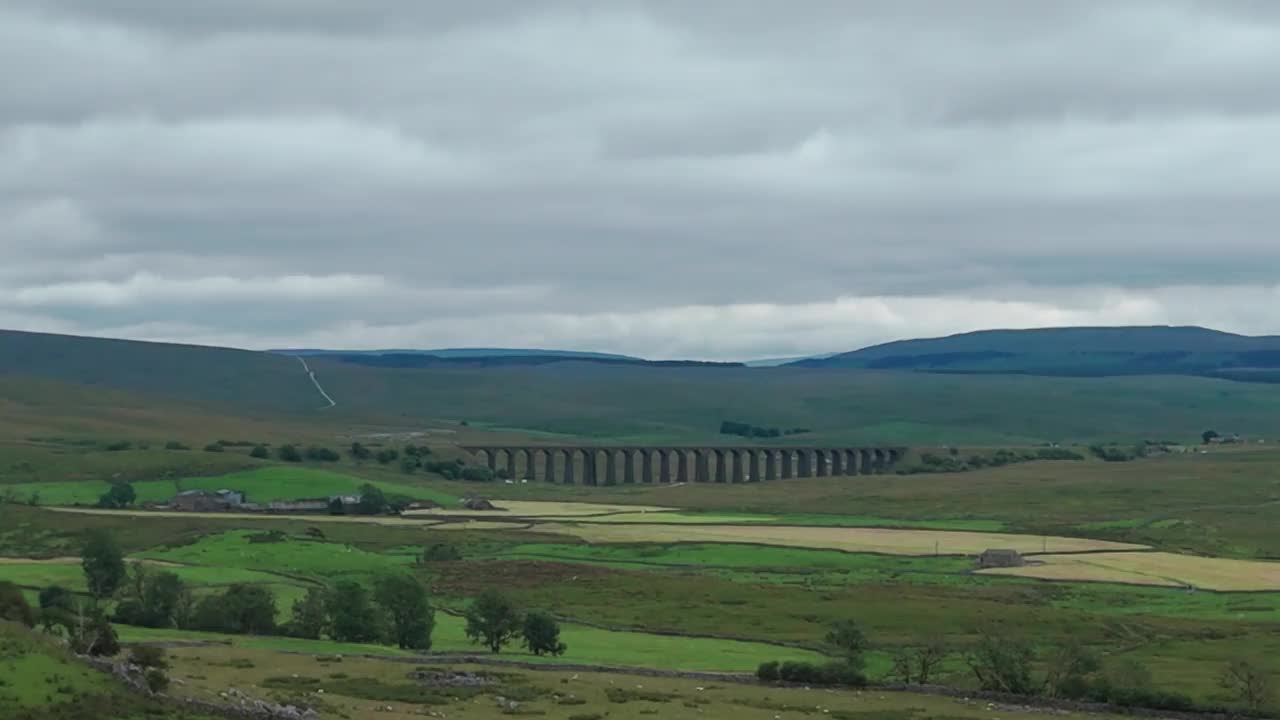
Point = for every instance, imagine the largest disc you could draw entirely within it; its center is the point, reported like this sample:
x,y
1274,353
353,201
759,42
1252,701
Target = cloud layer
x,y
714,180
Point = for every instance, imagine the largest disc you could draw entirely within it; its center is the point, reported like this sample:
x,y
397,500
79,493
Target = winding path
x,y
312,374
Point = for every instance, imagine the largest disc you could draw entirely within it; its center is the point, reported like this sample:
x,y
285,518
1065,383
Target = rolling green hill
x,y
79,382
1081,351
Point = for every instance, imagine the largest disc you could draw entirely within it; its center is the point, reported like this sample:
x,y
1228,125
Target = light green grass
x,y
71,576
261,485
34,674
586,645
291,556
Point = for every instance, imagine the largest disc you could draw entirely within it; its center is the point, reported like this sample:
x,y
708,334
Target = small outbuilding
x,y
1000,558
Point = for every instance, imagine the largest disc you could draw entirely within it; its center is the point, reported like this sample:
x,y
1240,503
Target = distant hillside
x,y
53,384
248,382
1080,352
484,359
462,353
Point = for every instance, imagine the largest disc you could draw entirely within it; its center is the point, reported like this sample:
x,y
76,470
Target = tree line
x,y
394,610
747,430
1007,662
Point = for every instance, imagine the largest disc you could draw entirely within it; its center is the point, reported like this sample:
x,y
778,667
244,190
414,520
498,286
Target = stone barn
x,y
1000,558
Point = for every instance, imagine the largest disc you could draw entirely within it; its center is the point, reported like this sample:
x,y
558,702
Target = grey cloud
x,y
610,174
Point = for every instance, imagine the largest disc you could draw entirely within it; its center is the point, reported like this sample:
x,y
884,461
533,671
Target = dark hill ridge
x,y
462,353
1078,351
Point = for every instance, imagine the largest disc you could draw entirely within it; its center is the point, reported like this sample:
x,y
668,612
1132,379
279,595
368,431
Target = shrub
x,y
768,672
441,552
214,447
175,445
14,606
157,681
386,456
148,656
322,454
289,453
260,451
119,446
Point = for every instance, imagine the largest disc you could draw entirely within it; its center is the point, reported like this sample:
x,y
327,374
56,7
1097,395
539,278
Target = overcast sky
x,y
717,179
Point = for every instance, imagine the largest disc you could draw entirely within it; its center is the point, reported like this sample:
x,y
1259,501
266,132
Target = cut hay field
x,y
266,484
863,540
1153,568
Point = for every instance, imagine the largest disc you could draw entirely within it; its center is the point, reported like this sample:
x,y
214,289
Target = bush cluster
x,y
953,463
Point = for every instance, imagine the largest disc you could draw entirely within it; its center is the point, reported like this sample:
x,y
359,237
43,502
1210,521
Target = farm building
x,y
1000,558
205,501
298,506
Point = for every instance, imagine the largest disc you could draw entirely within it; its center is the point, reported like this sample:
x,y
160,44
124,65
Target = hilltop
x,y
1076,351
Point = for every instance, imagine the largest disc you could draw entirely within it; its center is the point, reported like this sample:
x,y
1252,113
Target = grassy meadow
x,y
698,577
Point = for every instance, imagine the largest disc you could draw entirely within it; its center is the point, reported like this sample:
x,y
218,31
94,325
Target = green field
x,y
730,576
260,485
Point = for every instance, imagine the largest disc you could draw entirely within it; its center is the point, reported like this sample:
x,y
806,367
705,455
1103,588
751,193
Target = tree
x,y
56,597
14,606
289,453
542,634
91,633
1068,670
1002,663
918,665
359,452
245,609
1209,436
372,501
161,599
260,451
1250,683
351,616
103,564
387,455
492,620
310,618
412,619
121,495
849,640
319,453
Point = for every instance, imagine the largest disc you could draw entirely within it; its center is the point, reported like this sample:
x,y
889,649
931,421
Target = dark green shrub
x,y
148,656
175,445
157,681
214,447
260,451
768,672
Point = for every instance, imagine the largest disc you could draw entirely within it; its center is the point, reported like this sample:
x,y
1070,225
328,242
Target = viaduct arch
x,y
630,464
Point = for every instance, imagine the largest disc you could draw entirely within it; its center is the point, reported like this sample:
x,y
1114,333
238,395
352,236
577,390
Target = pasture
x,y
889,541
1154,568
355,686
261,485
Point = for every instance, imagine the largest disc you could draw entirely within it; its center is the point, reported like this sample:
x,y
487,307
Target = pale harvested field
x,y
539,508
873,540
367,520
1154,568
513,524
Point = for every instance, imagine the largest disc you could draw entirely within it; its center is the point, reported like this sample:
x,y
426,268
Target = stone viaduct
x,y
605,465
